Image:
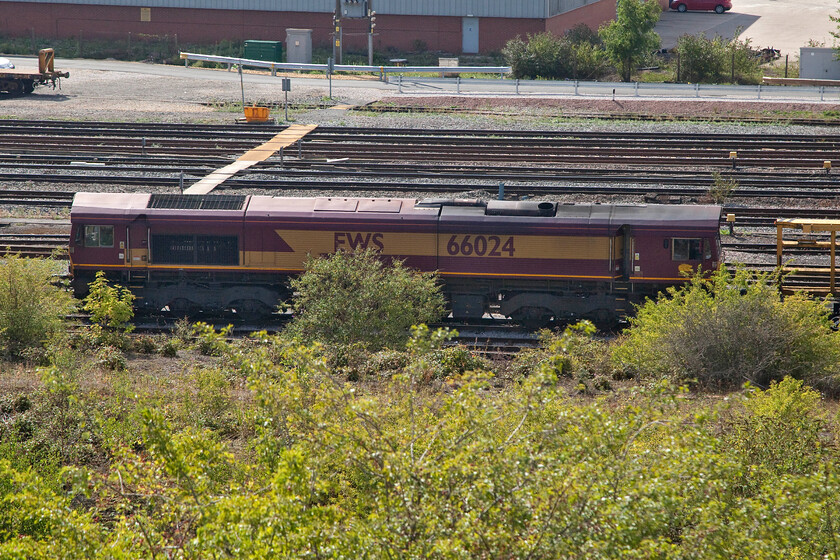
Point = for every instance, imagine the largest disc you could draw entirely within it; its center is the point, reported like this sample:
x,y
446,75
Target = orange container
x,y
256,114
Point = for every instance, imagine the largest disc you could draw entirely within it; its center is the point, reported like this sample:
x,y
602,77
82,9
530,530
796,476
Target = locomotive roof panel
x,y
151,205
116,204
584,215
522,213
360,208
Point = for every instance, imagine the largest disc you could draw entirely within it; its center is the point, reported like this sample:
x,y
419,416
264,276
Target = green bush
x,y
722,187
572,353
169,348
145,345
32,307
703,60
723,331
208,341
111,357
350,298
577,55
110,307
780,432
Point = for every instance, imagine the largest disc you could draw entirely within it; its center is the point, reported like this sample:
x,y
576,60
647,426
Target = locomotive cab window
x,y
99,236
686,249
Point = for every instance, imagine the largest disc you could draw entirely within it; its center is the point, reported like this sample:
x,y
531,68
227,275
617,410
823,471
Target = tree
x,y
630,37
355,298
32,307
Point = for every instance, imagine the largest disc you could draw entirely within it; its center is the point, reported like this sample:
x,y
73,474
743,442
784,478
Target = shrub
x,y
577,54
350,298
111,307
717,60
207,401
32,307
722,331
111,357
722,187
145,345
169,348
778,432
572,353
210,342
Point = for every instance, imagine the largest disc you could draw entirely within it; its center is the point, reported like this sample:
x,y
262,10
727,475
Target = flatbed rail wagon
x,y
15,80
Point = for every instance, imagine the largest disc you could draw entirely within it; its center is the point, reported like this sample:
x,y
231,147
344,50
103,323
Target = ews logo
x,y
350,241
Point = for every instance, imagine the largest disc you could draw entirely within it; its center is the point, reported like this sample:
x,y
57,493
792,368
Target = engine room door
x,y
625,257
137,241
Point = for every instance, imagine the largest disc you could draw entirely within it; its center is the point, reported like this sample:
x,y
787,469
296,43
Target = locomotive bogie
x,y
529,261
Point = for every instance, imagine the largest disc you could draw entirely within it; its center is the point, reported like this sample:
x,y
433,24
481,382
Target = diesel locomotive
x,y
527,260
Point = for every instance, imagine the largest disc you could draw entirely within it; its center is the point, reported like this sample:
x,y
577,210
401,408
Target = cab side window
x,y
99,236
686,249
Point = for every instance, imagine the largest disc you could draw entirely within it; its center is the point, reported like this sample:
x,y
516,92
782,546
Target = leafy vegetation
x,y
722,187
350,298
723,331
268,447
32,306
109,306
577,55
716,60
630,37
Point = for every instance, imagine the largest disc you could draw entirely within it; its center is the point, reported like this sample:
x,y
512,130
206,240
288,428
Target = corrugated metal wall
x,y
556,7
267,5
457,8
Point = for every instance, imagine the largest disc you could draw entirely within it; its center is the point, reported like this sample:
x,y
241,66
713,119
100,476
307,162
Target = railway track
x,y
529,163
379,144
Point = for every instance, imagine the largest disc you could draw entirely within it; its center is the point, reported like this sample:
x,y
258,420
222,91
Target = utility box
x,y
448,63
299,46
354,8
269,51
818,64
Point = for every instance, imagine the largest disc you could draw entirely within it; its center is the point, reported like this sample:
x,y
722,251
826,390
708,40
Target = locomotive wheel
x,y
251,309
604,319
532,317
28,86
182,307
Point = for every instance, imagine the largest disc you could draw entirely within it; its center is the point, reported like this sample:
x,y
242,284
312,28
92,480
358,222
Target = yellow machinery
x,y
820,233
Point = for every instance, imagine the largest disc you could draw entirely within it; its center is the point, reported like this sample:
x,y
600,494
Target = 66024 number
x,y
480,246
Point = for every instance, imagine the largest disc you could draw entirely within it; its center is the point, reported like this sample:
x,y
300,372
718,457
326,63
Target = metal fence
x,y
459,86
401,78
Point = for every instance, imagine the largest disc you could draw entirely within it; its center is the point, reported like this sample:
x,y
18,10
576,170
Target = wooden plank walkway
x,y
285,139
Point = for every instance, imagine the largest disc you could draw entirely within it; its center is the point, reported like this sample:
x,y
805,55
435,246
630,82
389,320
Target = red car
x,y
719,6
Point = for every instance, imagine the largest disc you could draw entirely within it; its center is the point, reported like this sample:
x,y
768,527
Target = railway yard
x,y
760,165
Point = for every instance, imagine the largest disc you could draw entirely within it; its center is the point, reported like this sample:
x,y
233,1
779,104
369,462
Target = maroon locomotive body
x,y
531,261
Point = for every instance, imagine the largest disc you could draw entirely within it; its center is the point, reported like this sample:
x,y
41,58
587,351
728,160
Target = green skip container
x,y
269,51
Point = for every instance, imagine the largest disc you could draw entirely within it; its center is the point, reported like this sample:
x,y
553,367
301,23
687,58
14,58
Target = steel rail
x,y
389,134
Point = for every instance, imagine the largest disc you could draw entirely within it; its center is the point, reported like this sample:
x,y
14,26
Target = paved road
x,y
169,71
785,25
